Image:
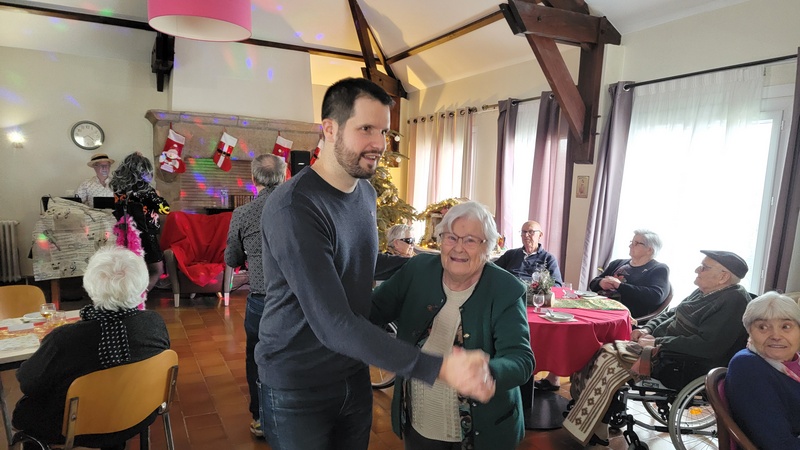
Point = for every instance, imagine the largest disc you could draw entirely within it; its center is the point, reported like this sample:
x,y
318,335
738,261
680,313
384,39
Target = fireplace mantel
x,y
202,132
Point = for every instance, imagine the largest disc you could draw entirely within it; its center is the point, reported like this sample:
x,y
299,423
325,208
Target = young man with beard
x,y
320,245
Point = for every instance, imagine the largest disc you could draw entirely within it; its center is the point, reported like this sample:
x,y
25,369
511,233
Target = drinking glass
x,y
568,291
538,301
47,310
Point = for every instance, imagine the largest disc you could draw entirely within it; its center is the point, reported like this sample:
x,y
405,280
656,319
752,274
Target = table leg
x,y
542,410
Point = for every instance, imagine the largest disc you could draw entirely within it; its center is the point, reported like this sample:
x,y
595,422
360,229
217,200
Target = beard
x,y
349,160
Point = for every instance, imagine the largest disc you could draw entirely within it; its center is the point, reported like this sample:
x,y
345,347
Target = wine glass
x,y
538,301
47,310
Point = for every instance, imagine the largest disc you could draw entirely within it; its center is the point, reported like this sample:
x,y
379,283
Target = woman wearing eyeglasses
x,y
456,299
641,283
399,241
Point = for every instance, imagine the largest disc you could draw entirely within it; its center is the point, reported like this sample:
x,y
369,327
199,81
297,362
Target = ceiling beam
x,y
458,32
387,81
543,27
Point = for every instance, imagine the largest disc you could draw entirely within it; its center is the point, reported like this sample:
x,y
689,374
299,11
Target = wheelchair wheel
x,y
656,412
692,424
383,378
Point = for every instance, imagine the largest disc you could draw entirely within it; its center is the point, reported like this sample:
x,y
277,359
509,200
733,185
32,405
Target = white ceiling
x,y
403,24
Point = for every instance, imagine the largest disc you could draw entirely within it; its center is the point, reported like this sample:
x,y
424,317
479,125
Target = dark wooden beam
x,y
387,81
543,26
458,32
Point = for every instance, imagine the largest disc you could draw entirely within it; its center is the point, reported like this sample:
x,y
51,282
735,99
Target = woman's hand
x,y
468,372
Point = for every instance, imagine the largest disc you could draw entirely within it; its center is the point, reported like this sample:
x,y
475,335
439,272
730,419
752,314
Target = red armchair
x,y
194,254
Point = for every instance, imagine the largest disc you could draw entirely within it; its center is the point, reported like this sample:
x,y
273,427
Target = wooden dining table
x,y
565,347
19,339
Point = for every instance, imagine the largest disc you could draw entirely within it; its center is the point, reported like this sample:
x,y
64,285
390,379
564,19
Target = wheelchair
x,y
685,414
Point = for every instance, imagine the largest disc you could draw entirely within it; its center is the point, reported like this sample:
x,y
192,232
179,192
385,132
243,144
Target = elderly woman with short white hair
x,y
459,299
763,380
111,332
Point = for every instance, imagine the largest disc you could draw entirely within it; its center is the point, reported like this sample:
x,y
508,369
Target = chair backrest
x,y
18,300
730,436
663,306
120,397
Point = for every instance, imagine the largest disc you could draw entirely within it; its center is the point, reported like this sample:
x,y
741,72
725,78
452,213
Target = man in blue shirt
x,y
530,257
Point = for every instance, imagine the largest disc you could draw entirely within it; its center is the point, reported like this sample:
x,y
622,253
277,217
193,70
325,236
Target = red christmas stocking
x,y
170,159
282,148
315,153
222,157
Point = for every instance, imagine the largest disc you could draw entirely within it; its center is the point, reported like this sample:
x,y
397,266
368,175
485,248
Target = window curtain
x,y
468,176
604,207
506,130
440,148
695,169
548,188
788,207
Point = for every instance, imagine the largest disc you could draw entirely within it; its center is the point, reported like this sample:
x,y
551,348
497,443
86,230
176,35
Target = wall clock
x,y
87,135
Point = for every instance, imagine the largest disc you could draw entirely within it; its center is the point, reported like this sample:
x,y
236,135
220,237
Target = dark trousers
x,y
415,441
335,416
252,318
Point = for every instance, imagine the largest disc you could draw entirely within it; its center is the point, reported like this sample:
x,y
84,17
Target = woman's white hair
x,y
771,305
471,210
115,279
397,232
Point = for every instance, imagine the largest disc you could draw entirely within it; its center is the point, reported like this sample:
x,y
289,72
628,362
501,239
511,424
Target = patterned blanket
x,y
594,387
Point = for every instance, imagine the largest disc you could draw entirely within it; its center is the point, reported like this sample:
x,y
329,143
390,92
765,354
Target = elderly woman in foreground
x,y
112,332
763,380
459,299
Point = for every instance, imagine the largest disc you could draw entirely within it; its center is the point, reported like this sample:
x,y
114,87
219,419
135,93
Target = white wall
x,y
55,72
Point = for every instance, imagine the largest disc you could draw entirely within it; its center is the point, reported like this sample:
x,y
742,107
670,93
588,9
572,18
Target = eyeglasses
x,y
704,268
635,243
469,242
529,232
408,240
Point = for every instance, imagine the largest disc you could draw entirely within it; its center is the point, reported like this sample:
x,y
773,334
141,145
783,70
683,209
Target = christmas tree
x,y
391,208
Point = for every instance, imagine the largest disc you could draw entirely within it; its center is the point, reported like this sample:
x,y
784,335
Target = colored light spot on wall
x,y
248,62
320,36
298,33
107,12
10,96
245,123
182,194
72,100
239,182
270,74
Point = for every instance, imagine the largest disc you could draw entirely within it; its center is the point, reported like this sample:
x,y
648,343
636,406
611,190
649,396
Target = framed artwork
x,y
582,189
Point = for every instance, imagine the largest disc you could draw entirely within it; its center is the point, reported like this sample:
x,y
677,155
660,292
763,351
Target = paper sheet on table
x,y
589,303
19,343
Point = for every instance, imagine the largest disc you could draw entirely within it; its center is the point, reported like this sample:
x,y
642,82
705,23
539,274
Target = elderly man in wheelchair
x,y
671,352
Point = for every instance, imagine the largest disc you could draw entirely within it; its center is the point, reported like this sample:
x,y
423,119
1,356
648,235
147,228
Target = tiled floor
x,y
210,411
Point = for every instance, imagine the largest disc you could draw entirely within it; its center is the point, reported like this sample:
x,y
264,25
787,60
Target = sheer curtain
x,y
520,173
695,169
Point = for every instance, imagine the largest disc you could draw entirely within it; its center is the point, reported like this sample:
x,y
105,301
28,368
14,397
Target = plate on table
x,y
585,294
33,317
557,316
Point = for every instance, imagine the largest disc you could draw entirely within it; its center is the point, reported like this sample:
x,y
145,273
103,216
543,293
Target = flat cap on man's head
x,y
731,261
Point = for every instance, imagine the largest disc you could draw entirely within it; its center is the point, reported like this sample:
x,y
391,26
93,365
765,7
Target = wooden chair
x,y
662,307
18,300
728,432
117,399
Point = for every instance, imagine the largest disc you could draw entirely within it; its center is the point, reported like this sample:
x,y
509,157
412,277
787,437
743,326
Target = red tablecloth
x,y
565,347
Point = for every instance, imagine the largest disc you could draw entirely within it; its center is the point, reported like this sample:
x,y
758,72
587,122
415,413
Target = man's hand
x,y
638,334
468,372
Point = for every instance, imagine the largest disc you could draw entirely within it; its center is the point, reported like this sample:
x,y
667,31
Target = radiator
x,y
9,252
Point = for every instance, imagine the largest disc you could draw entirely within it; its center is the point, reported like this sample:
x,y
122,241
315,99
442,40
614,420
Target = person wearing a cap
x,y
701,333
98,185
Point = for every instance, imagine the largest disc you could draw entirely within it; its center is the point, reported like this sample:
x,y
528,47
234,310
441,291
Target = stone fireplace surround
x,y
202,132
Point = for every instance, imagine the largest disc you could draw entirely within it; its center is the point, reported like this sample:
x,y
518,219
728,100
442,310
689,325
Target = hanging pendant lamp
x,y
203,20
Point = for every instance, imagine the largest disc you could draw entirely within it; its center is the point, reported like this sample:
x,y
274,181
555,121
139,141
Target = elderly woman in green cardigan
x,y
459,300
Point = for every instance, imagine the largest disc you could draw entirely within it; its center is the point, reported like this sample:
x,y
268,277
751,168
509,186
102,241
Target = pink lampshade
x,y
204,20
